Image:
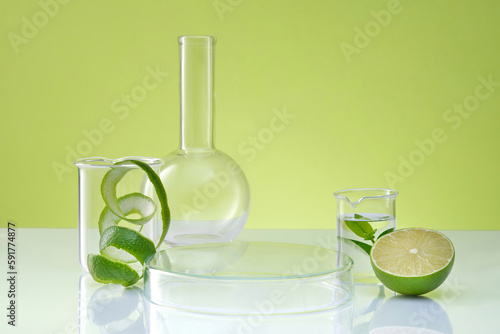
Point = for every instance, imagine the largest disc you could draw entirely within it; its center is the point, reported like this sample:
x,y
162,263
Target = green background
x,y
361,92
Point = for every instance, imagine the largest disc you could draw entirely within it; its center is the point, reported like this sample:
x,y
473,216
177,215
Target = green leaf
x,y
386,232
367,248
358,216
371,235
360,228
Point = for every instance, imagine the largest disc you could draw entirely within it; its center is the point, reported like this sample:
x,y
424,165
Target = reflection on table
x,y
375,310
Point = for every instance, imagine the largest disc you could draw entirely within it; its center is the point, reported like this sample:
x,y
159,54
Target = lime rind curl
x,y
119,244
106,270
128,204
162,197
127,240
108,191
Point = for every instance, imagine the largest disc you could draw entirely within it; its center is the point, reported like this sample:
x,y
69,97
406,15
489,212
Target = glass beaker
x,y
208,192
94,216
363,215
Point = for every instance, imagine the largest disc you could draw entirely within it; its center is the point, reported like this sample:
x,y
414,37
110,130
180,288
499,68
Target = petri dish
x,y
245,278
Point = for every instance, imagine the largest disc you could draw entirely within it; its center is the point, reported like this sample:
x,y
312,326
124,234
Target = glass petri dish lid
x,y
249,278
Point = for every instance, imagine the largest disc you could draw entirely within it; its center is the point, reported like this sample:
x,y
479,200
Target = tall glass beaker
x,y
95,216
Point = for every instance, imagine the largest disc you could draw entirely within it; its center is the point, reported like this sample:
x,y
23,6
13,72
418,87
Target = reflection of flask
x,y
208,194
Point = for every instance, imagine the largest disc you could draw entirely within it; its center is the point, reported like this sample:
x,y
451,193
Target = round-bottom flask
x,y
208,193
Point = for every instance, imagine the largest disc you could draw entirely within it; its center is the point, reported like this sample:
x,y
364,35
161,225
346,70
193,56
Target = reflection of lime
x,y
112,303
412,261
117,310
410,315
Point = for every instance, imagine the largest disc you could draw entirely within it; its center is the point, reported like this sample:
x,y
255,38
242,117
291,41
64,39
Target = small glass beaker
x,y
363,215
92,208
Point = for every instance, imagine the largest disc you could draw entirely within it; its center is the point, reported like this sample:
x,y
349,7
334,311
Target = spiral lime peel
x,y
120,245
129,204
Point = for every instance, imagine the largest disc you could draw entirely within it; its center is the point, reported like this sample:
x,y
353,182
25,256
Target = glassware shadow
x,y
115,309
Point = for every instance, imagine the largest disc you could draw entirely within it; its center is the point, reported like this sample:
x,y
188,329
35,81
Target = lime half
x,y
412,261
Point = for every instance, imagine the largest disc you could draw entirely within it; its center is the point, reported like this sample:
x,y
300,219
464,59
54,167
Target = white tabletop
x,y
53,295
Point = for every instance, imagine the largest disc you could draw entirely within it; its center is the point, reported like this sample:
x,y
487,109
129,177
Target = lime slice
x,y
128,204
119,243
106,270
412,261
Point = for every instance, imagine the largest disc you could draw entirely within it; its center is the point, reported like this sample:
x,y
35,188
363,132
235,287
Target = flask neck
x,y
197,92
